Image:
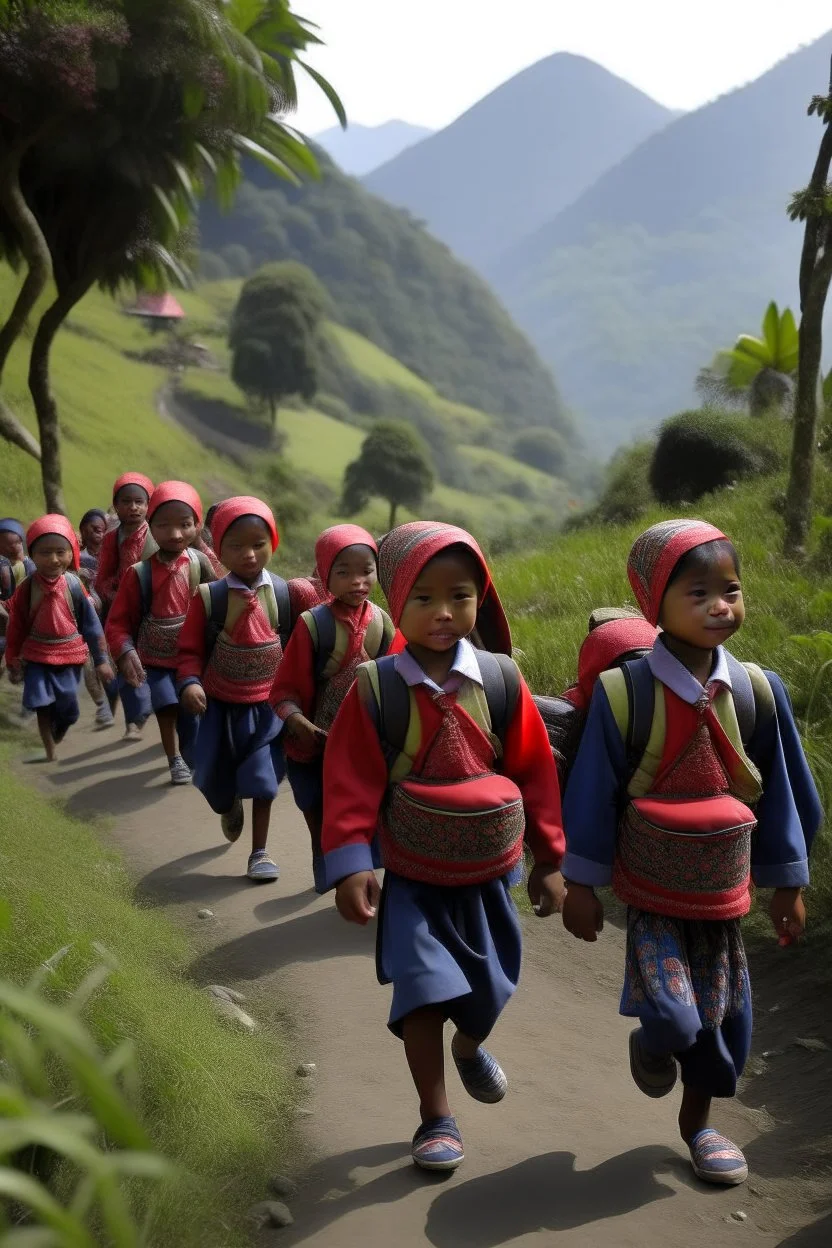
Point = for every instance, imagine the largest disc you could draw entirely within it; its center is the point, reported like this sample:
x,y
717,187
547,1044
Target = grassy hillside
x,y
672,253
391,282
513,161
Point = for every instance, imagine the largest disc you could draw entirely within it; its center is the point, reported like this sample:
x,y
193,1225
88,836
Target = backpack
x,y
75,595
144,574
501,684
215,600
323,630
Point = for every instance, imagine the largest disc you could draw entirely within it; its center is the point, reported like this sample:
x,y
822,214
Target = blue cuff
x,y
348,860
189,680
585,871
781,875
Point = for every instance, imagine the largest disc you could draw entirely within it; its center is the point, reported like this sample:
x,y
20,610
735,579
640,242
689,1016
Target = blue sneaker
x,y
261,868
716,1159
437,1145
482,1077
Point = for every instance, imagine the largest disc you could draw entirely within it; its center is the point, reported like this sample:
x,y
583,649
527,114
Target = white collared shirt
x,y
464,667
234,582
672,672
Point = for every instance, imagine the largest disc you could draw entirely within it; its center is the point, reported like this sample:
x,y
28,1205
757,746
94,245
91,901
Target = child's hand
x,y
357,897
130,666
192,700
105,672
788,915
306,733
546,889
15,673
583,914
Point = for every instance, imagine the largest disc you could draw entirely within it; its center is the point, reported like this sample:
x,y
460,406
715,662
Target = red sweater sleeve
x,y
294,684
17,628
105,577
528,761
190,660
125,616
355,782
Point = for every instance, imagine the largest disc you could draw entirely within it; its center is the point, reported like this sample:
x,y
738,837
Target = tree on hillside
x,y
759,371
541,448
394,464
274,334
814,207
117,114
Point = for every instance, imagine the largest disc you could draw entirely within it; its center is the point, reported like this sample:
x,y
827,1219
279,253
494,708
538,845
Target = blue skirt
x,y
455,948
55,686
687,983
237,754
307,781
161,681
136,702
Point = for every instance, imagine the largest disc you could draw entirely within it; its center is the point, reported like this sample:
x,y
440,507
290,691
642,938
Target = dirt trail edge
x,y
575,1156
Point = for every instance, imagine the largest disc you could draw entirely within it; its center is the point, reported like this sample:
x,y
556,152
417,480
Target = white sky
x,y
427,62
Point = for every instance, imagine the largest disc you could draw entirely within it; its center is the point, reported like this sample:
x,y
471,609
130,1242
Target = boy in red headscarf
x,y
148,612
52,627
721,795
230,649
327,645
452,781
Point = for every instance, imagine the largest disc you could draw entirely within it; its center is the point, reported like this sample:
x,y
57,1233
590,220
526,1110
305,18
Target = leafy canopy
x,y
394,464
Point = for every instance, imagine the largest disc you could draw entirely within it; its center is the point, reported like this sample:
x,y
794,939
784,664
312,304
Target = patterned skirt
x,y
687,983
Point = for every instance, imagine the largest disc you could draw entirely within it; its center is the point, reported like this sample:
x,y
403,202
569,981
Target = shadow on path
x,y
178,882
818,1235
68,771
121,794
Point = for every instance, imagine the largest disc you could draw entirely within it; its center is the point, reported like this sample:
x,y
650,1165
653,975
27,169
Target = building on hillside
x,y
159,312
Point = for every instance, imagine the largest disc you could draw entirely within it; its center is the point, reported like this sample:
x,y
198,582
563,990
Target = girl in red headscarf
x,y
441,751
230,648
52,627
720,796
148,612
327,645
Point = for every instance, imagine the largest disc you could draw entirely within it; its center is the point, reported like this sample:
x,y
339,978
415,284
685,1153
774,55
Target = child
x,y
229,651
12,546
203,542
52,624
470,770
683,852
92,528
319,666
149,610
128,543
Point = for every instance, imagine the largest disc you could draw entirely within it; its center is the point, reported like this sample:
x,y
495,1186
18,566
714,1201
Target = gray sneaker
x,y
262,868
104,717
180,772
232,823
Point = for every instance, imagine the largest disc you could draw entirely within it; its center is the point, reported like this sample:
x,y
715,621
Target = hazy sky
x,y
427,62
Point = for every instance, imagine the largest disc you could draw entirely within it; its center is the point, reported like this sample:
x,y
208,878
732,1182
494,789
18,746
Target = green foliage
x,y
394,284
541,448
701,451
758,369
626,493
394,464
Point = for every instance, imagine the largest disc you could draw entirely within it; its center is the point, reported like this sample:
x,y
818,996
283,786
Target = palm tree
x,y
757,371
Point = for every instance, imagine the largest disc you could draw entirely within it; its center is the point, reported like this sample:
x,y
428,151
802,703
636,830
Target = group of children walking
x,y
412,742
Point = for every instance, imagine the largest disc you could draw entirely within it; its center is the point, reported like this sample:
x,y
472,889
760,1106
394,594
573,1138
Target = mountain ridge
x,y
360,149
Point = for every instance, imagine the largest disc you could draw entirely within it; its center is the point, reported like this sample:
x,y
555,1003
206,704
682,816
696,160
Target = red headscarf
x,y
133,478
405,551
655,555
332,541
605,646
58,526
233,509
175,492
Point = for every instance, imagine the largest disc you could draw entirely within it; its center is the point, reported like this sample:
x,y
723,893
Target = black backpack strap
x,y
284,608
394,704
144,575
501,683
218,600
324,641
641,694
743,694
76,593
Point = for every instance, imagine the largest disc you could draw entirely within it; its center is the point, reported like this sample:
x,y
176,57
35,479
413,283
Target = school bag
x,y
324,633
197,564
276,601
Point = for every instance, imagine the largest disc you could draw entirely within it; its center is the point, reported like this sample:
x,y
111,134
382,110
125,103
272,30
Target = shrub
x,y
701,451
541,448
627,493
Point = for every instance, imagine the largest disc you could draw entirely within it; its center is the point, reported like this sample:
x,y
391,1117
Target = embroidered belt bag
x,y
250,664
453,832
159,639
686,858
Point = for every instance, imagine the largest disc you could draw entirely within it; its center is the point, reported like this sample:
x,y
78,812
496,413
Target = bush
x,y
541,448
627,493
701,451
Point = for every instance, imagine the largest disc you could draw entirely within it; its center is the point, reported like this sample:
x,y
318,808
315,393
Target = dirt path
x,y
574,1156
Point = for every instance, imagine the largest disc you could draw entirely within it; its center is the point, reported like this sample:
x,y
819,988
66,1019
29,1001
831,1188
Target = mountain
x,y
519,156
360,149
672,253
390,281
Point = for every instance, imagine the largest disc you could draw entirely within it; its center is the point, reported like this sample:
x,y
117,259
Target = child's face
x,y
11,545
52,555
92,534
246,548
131,504
173,527
704,607
353,575
441,608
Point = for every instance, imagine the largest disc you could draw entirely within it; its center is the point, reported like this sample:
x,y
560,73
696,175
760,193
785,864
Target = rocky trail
x,y
574,1157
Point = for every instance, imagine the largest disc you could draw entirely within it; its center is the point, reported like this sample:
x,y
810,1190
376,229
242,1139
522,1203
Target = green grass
x,y
216,1101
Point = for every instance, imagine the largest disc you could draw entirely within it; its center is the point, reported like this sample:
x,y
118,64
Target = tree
x,y
814,207
274,334
541,448
757,370
394,464
116,116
